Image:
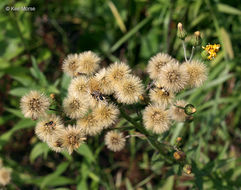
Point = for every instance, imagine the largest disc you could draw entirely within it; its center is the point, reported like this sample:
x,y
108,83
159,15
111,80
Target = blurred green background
x,y
32,47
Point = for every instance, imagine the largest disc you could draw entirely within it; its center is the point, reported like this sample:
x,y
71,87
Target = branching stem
x,y
184,49
193,50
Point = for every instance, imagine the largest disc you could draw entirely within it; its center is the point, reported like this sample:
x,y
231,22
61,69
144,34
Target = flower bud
x,y
52,96
181,33
196,39
141,97
187,169
190,109
179,155
178,142
204,55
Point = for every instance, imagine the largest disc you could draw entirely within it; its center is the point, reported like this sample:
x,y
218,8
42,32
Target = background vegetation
x,y
32,47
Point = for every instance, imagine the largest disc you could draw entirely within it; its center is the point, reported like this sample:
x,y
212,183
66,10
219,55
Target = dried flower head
x,y
72,138
156,63
94,92
156,118
48,127
173,77
34,104
78,86
129,90
89,124
106,114
197,73
114,141
105,85
5,176
179,155
159,95
177,113
88,63
57,143
75,107
70,64
116,72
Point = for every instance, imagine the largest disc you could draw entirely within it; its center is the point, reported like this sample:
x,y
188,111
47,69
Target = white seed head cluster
x,y
115,141
170,77
82,63
48,127
34,104
156,118
87,109
5,175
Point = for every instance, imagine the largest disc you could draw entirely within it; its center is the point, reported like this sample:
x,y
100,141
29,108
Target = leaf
x,y
20,91
24,80
40,148
169,182
22,124
227,44
117,16
129,34
37,73
85,151
55,179
16,112
228,9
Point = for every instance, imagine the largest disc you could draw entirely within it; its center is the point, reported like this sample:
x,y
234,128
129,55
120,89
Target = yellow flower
x,y
212,50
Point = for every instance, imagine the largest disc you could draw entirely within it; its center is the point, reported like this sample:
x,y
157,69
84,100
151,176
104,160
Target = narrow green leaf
x,y
129,34
227,44
40,148
228,9
85,151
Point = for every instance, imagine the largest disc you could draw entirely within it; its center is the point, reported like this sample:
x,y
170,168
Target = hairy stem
x,y
184,49
193,50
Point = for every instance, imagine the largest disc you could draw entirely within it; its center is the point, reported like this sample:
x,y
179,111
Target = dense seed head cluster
x,y
95,96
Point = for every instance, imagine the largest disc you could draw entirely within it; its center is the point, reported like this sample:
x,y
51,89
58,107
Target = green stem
x,y
193,49
160,147
179,107
184,49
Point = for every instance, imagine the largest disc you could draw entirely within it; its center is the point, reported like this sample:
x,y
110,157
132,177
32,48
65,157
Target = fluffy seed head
x,y
57,143
156,119
72,138
78,86
105,85
89,124
116,72
156,63
178,114
173,77
114,141
129,90
107,114
197,73
75,107
161,96
48,127
34,104
5,176
70,64
88,62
